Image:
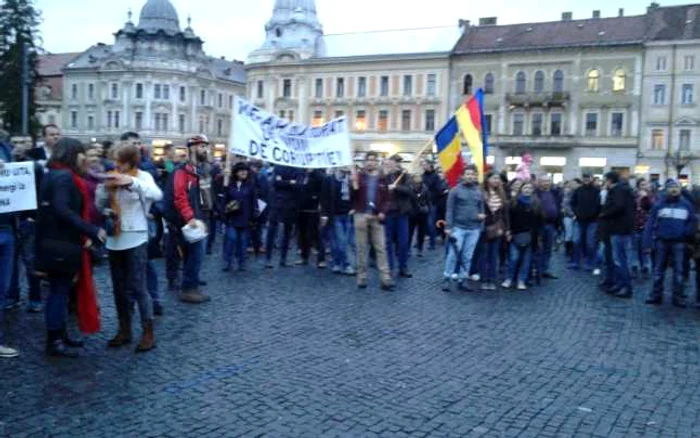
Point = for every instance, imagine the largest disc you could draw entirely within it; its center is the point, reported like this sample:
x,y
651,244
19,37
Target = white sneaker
x,y
8,352
476,277
596,272
521,286
506,284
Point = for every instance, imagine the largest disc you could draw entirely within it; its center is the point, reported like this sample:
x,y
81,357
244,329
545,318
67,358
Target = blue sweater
x,y
671,219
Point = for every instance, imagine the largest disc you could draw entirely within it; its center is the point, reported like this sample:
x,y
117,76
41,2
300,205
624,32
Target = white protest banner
x,y
17,187
258,134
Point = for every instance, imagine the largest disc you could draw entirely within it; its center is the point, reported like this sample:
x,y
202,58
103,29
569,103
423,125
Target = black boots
x,y
56,346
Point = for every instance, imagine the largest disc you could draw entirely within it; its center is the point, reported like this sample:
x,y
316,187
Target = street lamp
x,y
678,160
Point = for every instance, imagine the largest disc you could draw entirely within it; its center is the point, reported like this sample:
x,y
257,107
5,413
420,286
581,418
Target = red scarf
x,y
88,311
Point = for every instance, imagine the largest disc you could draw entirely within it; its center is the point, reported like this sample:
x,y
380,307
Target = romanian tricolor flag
x,y
449,148
470,117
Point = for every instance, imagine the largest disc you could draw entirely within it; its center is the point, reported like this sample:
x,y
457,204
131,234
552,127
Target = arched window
x,y
468,83
558,86
488,83
619,79
520,83
593,80
539,82
278,32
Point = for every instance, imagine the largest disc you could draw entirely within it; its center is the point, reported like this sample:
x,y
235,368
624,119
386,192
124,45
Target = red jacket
x,y
186,193
381,200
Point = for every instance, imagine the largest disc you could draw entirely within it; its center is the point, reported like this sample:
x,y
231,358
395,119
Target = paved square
x,y
297,352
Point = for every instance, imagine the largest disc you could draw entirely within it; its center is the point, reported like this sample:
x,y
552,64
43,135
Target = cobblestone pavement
x,y
301,353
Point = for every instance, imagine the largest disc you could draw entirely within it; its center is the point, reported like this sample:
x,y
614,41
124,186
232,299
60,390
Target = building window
x,y
91,91
203,97
287,88
407,85
138,120
290,116
116,119
432,85
555,124
318,118
619,80
230,101
361,86
468,84
260,90
181,123
115,91
319,88
617,121
657,139
518,124
74,119
537,122
591,124
487,121
282,114
338,114
219,127
340,88
488,83
110,119
520,83
659,94
687,97
161,122
384,86
91,123
166,92
539,82
183,94
157,91
689,62
406,120
383,124
52,119
221,100
74,91
430,120
139,91
558,85
684,139
593,80
203,123
661,63
360,120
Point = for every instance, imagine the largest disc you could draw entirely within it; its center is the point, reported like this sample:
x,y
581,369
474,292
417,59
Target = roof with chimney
x,y
675,23
52,64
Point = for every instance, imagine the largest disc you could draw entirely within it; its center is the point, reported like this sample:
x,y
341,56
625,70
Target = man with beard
x,y
183,206
671,222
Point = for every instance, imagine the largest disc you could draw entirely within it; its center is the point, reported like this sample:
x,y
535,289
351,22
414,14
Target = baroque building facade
x,y
155,79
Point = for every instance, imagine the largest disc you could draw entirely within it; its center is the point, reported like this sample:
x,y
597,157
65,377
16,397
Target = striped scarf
x,y
494,202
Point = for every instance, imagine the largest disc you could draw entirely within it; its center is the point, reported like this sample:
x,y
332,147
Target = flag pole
x,y
229,155
422,150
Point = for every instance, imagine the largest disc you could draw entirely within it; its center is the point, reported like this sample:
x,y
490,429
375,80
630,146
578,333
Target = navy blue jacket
x,y
671,219
245,195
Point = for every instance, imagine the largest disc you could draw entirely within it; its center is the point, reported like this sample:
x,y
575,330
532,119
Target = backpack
x,y
170,212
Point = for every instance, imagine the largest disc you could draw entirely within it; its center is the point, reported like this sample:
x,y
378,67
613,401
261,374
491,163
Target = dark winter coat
x,y
618,210
585,203
244,196
285,201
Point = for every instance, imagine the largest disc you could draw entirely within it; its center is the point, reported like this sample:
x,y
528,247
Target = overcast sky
x,y
233,28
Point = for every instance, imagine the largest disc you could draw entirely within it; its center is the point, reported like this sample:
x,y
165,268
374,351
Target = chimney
x,y
596,14
653,6
621,12
567,16
488,21
464,25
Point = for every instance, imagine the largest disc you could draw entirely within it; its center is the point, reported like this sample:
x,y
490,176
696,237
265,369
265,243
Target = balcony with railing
x,y
554,99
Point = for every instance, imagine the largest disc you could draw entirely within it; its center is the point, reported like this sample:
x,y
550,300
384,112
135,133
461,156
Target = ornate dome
x,y
159,15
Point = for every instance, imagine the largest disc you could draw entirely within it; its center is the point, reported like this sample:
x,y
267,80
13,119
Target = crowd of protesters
x,y
111,204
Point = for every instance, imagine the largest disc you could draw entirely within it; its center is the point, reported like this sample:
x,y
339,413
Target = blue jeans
x,y
620,247
462,250
192,261
585,241
489,259
152,282
60,286
607,261
342,234
639,260
432,231
519,262
664,251
7,254
396,229
25,251
549,233
235,244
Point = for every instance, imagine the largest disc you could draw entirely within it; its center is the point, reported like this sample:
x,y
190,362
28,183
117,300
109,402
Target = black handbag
x,y
59,256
